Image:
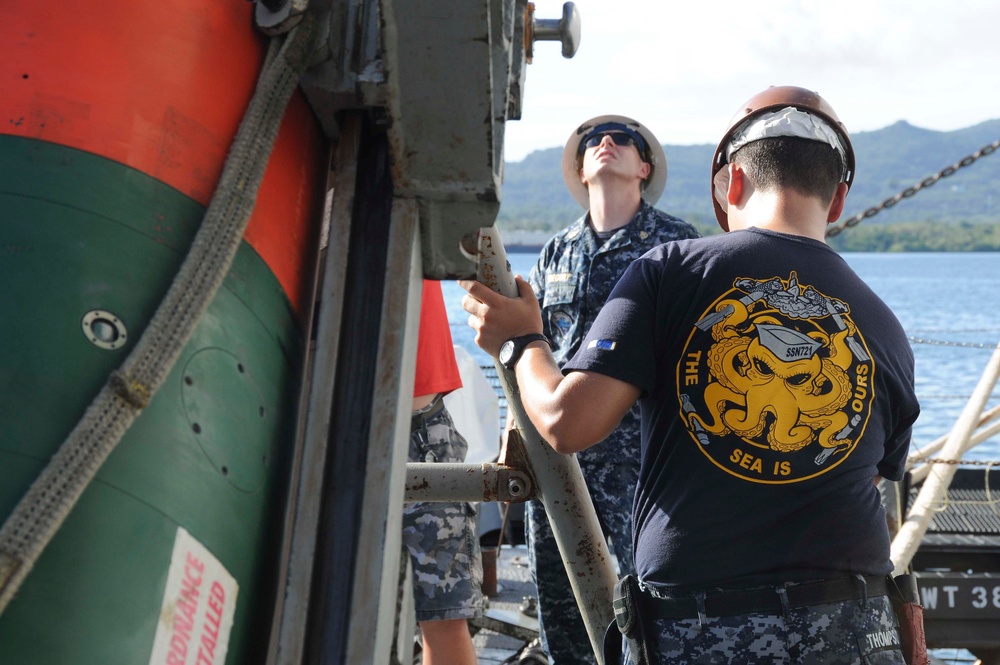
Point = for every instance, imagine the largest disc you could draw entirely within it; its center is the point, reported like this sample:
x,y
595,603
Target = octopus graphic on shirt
x,y
776,381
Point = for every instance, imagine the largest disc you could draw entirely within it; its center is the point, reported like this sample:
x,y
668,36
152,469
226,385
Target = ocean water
x,y
948,304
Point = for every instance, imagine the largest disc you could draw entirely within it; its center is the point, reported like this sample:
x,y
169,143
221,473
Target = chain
x,y
958,331
964,345
910,191
969,462
921,398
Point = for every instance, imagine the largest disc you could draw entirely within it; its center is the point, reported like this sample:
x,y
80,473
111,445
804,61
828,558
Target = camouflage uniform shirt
x,y
575,272
572,279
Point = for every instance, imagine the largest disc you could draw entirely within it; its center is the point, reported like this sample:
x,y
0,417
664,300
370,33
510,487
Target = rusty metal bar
x,y
559,480
466,482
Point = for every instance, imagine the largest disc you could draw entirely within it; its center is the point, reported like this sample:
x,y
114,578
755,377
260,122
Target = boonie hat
x,y
654,156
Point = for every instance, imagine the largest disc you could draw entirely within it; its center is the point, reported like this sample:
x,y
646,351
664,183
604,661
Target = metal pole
x,y
920,472
558,479
907,541
439,481
920,454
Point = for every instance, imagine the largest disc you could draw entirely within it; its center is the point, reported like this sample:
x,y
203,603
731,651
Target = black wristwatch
x,y
512,349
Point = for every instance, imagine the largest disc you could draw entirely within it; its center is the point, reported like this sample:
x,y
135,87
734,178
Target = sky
x,y
683,68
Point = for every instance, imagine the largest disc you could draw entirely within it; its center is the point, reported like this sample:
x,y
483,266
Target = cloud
x,y
683,68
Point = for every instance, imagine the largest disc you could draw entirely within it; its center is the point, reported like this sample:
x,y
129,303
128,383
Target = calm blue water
x,y
949,305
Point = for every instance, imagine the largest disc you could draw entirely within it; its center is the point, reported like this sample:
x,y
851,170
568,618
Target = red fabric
x,y
437,369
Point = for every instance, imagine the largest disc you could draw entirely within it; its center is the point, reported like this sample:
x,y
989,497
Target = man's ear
x,y
837,205
644,171
737,184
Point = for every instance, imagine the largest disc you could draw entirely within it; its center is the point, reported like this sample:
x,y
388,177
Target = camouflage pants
x,y
846,633
442,538
562,631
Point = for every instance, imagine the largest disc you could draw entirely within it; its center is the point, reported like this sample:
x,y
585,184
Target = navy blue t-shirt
x,y
775,386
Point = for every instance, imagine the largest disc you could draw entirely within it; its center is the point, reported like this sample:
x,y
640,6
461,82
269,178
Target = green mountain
x,y
889,160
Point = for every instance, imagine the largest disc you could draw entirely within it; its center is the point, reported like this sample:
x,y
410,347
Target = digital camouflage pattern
x,y
442,537
564,635
572,279
576,271
849,633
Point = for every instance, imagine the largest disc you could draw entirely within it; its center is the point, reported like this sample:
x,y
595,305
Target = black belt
x,y
419,420
764,600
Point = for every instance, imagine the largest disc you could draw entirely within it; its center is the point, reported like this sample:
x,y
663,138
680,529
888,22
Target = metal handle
x,y
558,478
565,30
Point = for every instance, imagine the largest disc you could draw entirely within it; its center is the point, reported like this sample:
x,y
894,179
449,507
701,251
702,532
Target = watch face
x,y
506,352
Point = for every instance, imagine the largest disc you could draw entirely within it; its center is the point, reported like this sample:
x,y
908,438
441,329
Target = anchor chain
x,y
939,342
960,331
965,397
969,462
968,160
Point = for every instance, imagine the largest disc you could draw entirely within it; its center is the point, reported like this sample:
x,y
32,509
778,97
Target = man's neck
x,y
791,214
613,207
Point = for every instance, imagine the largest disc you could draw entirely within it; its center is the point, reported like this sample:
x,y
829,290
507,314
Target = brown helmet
x,y
773,99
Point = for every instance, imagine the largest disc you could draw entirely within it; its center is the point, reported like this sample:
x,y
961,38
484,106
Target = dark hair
x,y
809,167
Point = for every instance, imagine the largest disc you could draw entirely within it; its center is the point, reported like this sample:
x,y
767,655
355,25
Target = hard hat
x,y
773,99
655,182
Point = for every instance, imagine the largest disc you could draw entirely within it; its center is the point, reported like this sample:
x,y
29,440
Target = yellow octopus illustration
x,y
759,366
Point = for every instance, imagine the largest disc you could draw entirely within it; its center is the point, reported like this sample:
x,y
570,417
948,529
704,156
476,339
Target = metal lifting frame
x,y
404,204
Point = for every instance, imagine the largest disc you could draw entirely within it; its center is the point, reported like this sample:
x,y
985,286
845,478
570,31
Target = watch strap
x,y
525,340
521,342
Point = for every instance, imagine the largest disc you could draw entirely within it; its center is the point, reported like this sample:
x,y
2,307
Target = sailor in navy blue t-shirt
x,y
775,390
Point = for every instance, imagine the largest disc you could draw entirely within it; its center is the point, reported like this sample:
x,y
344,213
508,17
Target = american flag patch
x,y
605,344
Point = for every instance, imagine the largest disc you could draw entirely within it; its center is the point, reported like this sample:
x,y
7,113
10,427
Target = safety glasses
x,y
619,133
620,138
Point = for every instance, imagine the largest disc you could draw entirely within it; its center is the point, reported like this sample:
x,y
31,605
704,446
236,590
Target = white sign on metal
x,y
197,611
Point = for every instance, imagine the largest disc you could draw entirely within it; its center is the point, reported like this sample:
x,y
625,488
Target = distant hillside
x,y
534,196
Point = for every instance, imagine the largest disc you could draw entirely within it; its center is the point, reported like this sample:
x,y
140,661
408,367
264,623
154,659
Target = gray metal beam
x,y
302,515
352,599
466,482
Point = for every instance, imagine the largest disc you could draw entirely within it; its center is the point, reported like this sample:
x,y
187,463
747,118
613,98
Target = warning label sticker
x,y
199,601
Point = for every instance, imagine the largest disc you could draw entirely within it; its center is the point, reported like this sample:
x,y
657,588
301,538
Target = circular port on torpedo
x,y
104,329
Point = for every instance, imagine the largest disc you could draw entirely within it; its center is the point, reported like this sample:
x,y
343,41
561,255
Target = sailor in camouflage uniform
x,y
615,168
441,538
